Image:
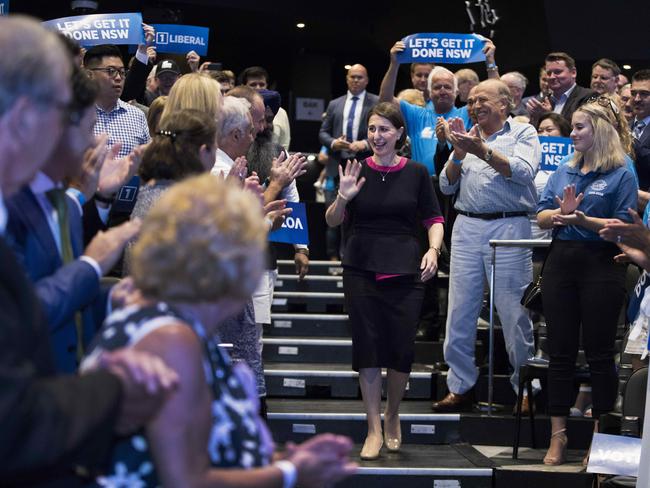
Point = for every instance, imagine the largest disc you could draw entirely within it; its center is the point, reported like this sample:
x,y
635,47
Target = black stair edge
x,y
473,455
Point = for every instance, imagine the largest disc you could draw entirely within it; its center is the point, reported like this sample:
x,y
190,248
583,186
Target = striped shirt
x,y
481,189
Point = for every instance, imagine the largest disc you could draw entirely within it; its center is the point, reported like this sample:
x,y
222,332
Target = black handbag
x,y
532,297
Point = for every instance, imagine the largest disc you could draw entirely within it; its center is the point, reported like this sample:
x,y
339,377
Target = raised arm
x,y
387,89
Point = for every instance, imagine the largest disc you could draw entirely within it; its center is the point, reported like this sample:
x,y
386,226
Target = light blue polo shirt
x,y
629,164
606,195
421,129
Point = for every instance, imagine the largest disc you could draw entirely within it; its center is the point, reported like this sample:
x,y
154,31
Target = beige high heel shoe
x,y
370,452
561,437
393,444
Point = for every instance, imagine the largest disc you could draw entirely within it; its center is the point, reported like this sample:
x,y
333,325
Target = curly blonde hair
x,y
204,240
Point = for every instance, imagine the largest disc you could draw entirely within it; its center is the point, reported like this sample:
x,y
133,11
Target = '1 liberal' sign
x,y
294,229
442,48
172,38
554,150
96,29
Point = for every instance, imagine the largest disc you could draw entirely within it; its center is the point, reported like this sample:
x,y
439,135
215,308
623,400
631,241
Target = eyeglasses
x,y
604,102
112,72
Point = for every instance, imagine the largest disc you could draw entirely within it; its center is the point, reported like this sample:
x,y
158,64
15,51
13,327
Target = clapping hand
x,y
284,170
349,181
632,238
569,202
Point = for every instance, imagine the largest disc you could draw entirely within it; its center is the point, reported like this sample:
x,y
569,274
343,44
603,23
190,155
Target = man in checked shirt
x,y
491,168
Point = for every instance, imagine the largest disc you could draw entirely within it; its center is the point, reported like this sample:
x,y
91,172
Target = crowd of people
x,y
135,207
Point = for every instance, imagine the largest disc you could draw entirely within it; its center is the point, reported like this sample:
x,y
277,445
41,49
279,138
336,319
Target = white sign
x,y
614,454
310,109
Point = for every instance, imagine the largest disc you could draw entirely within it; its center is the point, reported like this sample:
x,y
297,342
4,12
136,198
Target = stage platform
x,y
313,390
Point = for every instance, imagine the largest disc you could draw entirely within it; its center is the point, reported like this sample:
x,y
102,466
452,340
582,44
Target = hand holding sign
x,y
395,51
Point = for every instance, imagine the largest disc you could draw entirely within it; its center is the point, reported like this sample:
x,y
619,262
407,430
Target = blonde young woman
x,y
582,286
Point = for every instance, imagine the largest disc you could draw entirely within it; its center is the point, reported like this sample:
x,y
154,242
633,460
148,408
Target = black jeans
x,y
582,286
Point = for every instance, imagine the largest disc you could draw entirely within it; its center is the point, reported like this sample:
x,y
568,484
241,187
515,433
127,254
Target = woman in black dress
x,y
381,201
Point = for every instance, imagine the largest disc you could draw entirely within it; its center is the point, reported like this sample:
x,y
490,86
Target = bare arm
x,y
387,89
349,186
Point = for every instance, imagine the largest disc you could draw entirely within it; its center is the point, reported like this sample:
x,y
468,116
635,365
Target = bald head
x,y
357,79
491,103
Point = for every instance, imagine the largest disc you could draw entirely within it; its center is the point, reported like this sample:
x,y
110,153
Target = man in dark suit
x,y
640,92
51,426
344,133
566,95
48,239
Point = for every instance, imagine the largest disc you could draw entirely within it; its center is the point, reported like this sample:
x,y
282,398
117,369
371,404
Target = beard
x,y
261,154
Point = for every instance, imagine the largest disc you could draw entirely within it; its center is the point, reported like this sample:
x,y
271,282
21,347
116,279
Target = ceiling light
x,y
627,66
348,66
300,25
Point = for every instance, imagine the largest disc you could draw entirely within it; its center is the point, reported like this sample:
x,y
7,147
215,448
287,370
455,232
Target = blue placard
x,y
554,149
294,230
172,38
614,454
442,48
96,29
4,7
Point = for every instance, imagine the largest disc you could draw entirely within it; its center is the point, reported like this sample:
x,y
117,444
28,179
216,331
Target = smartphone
x,y
214,66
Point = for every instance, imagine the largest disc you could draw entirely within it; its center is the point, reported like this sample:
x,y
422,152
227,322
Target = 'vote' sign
x,y
294,229
442,48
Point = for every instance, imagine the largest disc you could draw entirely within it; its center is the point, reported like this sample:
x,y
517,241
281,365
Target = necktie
x,y
58,200
348,129
638,129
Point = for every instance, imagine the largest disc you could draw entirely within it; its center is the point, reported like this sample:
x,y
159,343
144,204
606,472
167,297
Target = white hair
x,y
440,71
235,114
520,80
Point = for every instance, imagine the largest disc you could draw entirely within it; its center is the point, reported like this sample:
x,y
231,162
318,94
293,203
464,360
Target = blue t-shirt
x,y
606,195
629,164
421,129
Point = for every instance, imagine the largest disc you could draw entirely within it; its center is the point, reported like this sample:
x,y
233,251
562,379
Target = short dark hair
x,y
560,56
174,150
607,64
84,92
559,120
253,72
641,75
97,53
393,114
413,65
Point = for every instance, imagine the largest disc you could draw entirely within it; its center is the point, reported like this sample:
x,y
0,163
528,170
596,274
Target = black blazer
x,y
578,96
642,159
48,424
332,128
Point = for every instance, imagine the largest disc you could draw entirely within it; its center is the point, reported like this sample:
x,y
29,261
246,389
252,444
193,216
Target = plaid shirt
x,y
126,124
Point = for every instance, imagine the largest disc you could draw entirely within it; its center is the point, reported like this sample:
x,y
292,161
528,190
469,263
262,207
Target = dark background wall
x,y
310,62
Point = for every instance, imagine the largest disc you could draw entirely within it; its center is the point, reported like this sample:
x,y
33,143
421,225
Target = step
x,y
332,268
297,420
308,325
334,381
423,466
315,283
317,302
332,350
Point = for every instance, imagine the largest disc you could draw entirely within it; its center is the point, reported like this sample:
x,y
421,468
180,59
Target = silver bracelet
x,y
341,196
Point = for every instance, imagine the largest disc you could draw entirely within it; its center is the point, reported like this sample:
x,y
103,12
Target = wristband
x,y
437,249
289,473
302,250
73,192
342,197
457,161
490,66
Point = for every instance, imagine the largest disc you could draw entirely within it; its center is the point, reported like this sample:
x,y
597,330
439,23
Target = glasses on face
x,y
112,72
604,102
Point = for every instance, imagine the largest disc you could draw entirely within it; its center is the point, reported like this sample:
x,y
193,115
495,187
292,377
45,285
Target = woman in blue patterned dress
x,y
197,261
